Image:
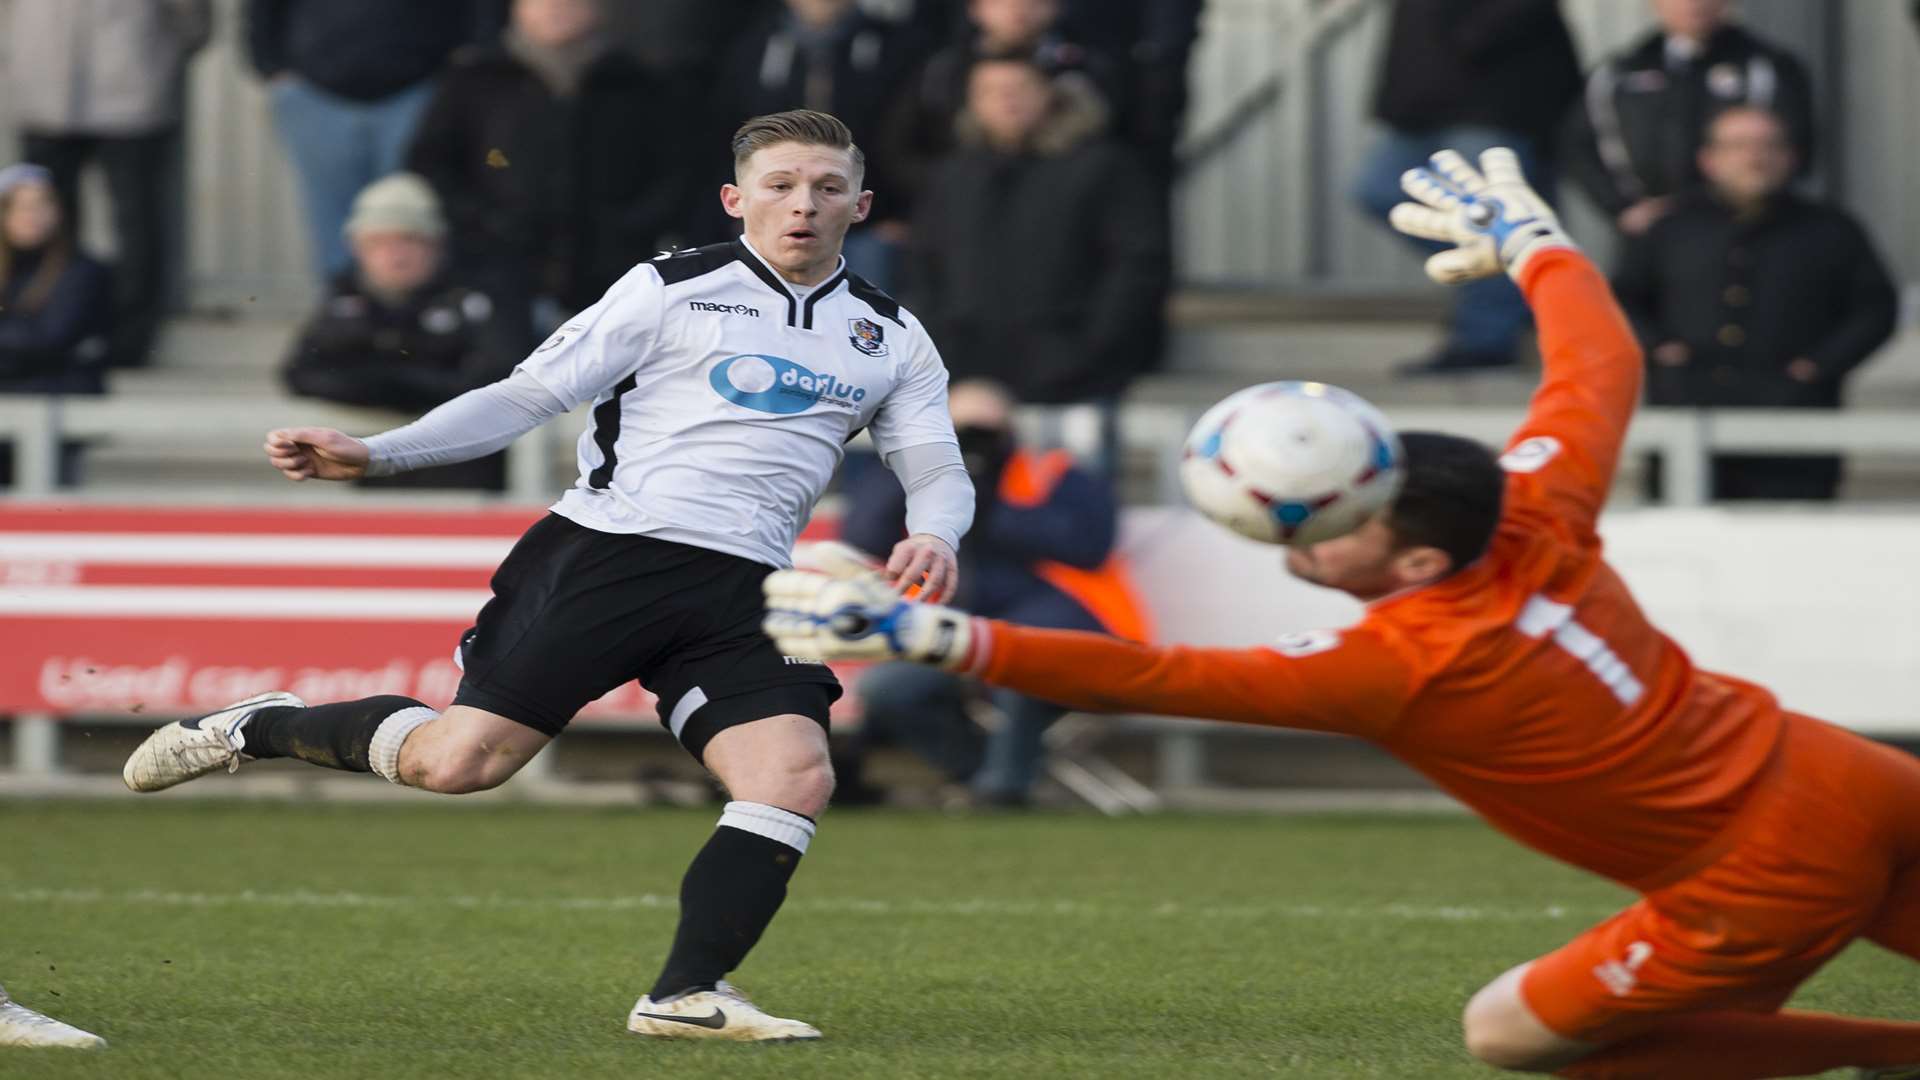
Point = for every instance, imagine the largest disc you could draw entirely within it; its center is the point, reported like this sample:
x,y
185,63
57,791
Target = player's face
x,y
32,217
798,200
1367,563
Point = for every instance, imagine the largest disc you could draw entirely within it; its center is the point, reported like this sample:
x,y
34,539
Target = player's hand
x,y
1493,219
861,618
925,561
317,454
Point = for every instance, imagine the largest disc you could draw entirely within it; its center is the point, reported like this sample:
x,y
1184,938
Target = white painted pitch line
x,y
258,549
823,905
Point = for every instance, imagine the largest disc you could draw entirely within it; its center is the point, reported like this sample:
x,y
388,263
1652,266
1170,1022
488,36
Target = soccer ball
x,y
1291,462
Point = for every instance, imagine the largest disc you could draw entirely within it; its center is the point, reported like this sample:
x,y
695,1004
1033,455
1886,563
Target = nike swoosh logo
x,y
716,1021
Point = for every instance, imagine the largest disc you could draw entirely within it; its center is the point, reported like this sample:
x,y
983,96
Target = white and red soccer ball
x,y
1292,462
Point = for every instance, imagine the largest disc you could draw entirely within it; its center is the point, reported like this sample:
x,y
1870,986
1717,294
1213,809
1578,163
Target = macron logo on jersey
x,y
723,309
775,384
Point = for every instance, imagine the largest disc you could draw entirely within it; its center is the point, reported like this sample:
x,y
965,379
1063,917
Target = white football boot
x,y
187,749
21,1026
720,1013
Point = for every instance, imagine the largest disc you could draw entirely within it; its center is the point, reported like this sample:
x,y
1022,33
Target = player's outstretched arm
x,y
1592,361
1327,685
316,454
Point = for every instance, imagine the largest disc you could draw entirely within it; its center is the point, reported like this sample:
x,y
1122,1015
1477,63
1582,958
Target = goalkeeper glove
x,y
1493,219
856,616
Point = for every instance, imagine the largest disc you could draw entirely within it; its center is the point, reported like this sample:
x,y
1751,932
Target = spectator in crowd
x,y
348,80
833,57
1041,549
684,37
1632,145
1153,40
1041,252
1746,294
56,305
561,162
920,129
101,80
1469,75
395,332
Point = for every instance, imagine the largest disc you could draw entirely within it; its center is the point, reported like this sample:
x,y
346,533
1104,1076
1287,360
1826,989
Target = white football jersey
x,y
724,397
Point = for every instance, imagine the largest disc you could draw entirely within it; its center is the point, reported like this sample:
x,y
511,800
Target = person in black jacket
x,y
920,126
1745,294
348,80
1468,75
396,332
561,162
1041,252
1632,145
56,304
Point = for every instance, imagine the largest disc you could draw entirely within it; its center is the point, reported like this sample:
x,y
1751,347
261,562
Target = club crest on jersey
x,y
867,336
775,384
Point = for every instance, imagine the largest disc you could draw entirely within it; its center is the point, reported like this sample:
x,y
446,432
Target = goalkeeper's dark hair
x,y
1451,496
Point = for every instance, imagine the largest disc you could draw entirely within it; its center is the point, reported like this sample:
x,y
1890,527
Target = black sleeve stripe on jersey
x,y
692,263
773,280
826,288
886,306
606,433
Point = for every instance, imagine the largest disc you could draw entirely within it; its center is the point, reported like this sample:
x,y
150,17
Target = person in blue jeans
x,y
1470,75
348,81
1040,552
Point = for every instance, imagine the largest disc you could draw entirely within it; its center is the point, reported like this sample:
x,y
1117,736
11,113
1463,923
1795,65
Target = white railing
x,y
1685,438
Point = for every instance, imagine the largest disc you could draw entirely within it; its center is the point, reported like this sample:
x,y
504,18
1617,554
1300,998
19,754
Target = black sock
x,y
730,894
337,736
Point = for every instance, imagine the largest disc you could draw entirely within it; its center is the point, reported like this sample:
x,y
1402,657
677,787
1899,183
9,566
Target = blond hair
x,y
804,126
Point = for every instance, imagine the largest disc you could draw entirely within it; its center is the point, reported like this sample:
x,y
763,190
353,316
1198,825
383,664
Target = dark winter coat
x,y
363,49
1638,130
1749,297
1047,269
411,357
552,196
1506,64
58,347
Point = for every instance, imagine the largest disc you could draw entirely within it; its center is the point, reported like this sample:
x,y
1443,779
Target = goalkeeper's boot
x,y
21,1026
187,749
720,1013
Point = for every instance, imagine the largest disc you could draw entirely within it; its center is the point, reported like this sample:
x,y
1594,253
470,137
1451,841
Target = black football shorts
x,y
576,612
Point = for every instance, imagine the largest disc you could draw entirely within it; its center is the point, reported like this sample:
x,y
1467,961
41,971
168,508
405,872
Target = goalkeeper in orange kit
x,y
1502,657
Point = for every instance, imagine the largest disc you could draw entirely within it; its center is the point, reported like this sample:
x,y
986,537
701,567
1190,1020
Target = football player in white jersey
x,y
725,381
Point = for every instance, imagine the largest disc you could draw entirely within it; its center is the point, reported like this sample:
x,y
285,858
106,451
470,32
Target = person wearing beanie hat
x,y
395,331
402,203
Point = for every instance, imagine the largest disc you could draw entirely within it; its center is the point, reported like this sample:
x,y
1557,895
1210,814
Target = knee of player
x,y
803,785
456,771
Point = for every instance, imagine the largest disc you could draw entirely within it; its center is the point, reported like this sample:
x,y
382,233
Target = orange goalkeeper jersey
x,y
1529,685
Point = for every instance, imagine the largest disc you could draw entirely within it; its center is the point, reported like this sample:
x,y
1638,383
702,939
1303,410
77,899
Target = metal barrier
x,y
1686,439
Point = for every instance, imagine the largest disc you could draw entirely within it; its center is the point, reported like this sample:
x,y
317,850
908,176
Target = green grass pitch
x,y
319,941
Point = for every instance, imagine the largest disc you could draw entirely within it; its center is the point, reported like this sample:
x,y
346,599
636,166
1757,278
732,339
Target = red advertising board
x,y
176,610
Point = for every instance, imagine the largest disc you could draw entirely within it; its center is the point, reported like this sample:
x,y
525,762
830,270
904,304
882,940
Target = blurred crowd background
x,y
1106,211
468,172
